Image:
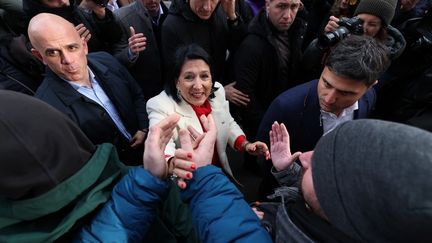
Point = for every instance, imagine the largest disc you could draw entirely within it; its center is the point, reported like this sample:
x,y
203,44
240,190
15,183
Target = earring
x,y
179,94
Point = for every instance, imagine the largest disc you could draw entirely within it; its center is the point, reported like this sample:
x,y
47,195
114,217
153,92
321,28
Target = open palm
x,y
280,147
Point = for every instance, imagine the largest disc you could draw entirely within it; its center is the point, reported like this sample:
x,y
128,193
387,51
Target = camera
x,y
102,3
347,26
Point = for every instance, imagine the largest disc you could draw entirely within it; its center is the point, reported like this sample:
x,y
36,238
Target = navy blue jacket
x,y
218,209
94,121
298,108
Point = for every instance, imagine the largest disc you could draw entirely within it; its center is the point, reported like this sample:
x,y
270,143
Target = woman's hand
x,y
257,148
193,155
280,147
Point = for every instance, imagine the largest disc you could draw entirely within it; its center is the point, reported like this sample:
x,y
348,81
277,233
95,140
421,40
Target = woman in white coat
x,y
193,93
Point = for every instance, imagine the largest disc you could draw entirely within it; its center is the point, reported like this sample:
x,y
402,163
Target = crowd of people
x,y
116,115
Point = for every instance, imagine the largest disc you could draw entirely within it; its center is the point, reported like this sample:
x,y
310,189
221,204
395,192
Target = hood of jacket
x,y
373,180
51,175
37,147
395,42
32,8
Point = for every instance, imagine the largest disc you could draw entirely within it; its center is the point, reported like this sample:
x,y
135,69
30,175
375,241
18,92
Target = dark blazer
x,y
298,108
93,120
147,68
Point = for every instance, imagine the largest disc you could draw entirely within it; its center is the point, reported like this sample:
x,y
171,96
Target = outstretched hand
x,y
198,153
158,137
258,148
280,147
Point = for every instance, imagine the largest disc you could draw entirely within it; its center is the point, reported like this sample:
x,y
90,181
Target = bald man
x,y
94,90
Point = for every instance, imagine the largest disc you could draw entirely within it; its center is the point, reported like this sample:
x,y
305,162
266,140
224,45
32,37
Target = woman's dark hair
x,y
182,55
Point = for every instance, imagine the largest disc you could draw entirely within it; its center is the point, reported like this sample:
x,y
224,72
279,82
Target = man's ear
x,y
85,46
37,54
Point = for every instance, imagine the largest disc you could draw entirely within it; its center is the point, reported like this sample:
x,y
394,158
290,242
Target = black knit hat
x,y
373,180
384,9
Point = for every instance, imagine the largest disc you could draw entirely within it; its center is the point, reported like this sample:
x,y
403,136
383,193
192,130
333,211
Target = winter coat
x,y
298,108
258,71
119,86
104,32
215,35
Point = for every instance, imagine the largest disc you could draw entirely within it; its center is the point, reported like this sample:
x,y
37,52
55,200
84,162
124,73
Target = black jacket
x,y
119,86
215,35
258,71
104,32
147,68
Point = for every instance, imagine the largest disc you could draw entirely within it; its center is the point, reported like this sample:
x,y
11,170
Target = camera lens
x,y
330,38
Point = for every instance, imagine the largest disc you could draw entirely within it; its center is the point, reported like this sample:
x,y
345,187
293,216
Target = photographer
x,y
96,24
371,18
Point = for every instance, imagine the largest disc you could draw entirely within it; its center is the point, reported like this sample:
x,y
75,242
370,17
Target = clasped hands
x,y
188,158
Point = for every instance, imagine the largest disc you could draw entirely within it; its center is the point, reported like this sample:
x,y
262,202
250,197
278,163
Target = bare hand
x,y
332,24
235,96
280,147
83,32
137,42
158,138
229,8
201,155
258,148
138,138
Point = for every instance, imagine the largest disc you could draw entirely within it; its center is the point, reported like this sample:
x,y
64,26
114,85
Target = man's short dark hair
x,y
360,58
182,55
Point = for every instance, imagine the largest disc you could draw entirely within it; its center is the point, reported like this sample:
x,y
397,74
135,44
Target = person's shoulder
x,y
104,58
161,99
43,90
123,11
298,93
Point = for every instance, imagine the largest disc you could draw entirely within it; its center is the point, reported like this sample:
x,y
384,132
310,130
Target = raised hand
x,y
280,147
158,138
229,8
193,153
83,32
137,41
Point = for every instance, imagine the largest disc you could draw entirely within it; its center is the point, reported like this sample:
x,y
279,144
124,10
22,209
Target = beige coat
x,y
161,106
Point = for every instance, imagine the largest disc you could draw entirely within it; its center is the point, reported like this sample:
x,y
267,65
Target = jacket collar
x,y
66,92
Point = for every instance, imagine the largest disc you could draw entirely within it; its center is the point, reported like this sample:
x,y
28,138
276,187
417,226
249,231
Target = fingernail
x,y
189,155
182,185
193,167
188,175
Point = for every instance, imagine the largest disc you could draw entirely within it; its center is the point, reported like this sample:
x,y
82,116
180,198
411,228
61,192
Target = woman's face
x,y
195,82
371,24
